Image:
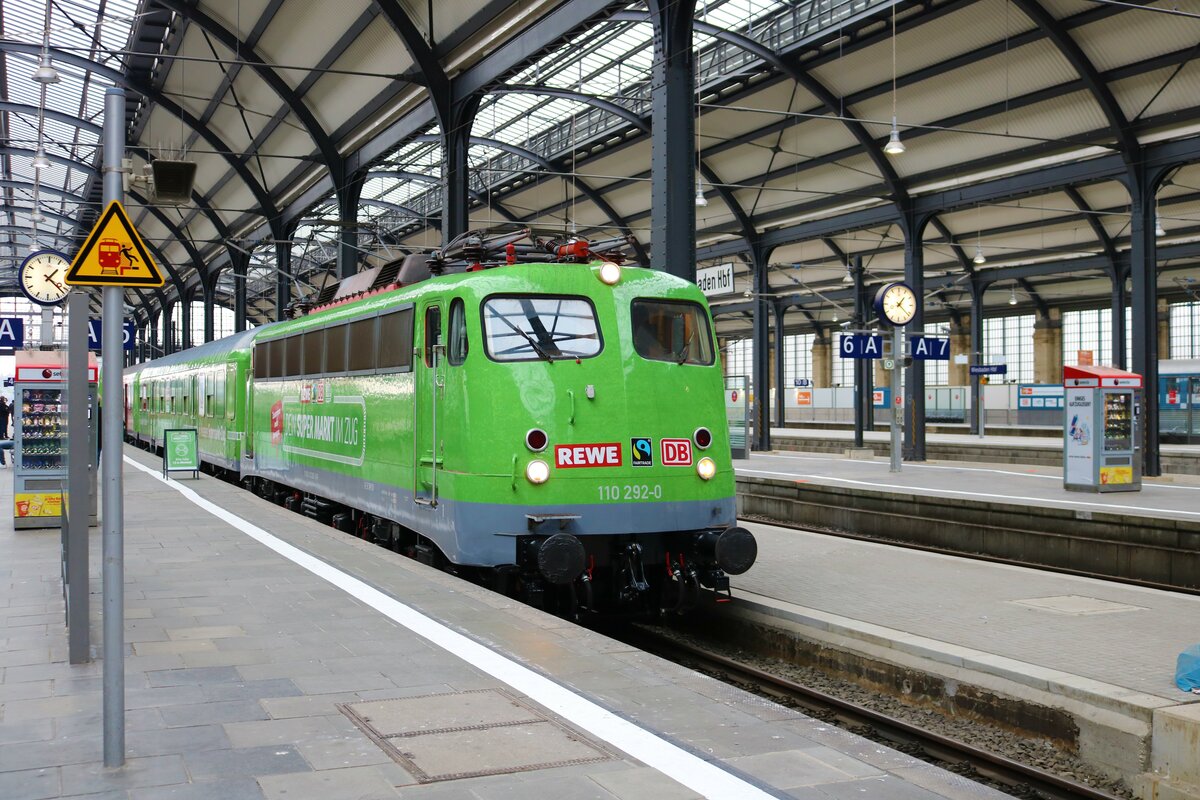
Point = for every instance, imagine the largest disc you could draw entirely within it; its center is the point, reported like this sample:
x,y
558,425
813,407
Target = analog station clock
x,y
897,303
41,277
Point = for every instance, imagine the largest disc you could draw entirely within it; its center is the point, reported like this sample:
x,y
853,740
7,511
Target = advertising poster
x,y
1078,447
38,504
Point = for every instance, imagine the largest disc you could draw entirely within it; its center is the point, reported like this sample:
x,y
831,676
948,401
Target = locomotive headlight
x,y
610,273
706,468
537,471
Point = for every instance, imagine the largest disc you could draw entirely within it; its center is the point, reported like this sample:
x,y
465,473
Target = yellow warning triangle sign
x,y
114,255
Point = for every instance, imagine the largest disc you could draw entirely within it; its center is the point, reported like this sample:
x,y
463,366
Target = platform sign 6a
x,y
929,348
861,345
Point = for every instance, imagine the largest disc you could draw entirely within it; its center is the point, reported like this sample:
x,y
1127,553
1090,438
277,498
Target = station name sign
x,y
715,280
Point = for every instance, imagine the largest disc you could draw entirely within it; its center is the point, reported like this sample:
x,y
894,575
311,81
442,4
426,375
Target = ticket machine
x,y
1101,435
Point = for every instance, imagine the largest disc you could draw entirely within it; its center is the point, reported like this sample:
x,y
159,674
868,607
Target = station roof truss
x,y
1023,122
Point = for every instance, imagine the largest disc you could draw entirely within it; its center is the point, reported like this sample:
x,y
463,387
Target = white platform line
x,y
941,492
703,777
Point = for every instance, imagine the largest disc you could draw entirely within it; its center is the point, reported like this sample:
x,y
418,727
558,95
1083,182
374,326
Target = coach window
x,y
362,345
294,357
671,331
456,334
335,349
314,350
275,355
396,340
433,332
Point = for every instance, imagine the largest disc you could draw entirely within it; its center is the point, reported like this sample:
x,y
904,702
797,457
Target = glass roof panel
x,y
90,30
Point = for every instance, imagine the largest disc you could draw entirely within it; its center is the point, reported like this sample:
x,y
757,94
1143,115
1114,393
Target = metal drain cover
x,y
1076,605
442,737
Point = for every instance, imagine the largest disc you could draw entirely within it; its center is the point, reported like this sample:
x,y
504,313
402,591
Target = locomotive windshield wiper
x,y
537,348
685,350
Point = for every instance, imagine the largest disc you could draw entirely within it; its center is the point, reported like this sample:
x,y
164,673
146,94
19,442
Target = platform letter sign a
x,y
12,332
861,345
929,348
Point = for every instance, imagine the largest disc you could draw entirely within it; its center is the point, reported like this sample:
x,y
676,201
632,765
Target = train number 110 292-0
x,y
630,491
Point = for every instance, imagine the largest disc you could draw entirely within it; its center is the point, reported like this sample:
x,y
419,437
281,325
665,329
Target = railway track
x,y
1013,777
908,545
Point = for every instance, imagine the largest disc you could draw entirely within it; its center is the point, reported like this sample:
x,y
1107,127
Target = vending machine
x,y
39,453
1102,449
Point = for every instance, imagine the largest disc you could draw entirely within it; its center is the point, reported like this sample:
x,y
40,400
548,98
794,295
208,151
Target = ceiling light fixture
x,y
979,258
701,200
39,160
1159,230
46,74
1012,297
894,146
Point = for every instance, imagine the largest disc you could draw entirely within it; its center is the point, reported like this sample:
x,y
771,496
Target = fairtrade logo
x,y
643,451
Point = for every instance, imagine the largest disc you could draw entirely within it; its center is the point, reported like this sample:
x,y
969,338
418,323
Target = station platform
x,y
1091,658
269,656
1039,449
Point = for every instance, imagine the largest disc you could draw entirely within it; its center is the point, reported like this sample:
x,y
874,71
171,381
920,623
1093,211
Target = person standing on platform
x,y
5,417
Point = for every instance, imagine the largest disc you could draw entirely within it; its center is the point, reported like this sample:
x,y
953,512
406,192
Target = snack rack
x,y
39,452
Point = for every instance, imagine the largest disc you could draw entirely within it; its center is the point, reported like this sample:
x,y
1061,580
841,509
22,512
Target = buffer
x,y
114,255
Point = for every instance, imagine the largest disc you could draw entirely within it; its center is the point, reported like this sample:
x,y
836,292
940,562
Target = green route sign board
x,y
181,451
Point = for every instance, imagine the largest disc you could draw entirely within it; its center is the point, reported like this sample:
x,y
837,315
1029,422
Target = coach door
x,y
428,366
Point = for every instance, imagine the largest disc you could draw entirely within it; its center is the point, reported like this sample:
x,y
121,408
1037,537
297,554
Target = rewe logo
x,y
676,452
587,455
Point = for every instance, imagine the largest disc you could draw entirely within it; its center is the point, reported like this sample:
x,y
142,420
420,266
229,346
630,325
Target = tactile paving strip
x,y
441,737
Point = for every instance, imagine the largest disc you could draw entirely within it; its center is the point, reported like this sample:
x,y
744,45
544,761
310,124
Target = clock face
x,y
41,277
897,303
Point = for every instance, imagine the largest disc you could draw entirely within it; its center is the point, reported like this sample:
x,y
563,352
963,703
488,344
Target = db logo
x,y
676,452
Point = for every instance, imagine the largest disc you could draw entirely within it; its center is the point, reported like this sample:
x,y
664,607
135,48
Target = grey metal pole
x,y
110,419
860,364
47,333
79,460
897,410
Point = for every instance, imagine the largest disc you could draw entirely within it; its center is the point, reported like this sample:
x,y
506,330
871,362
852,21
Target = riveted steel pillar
x,y
673,170
241,266
185,320
780,407
1143,266
168,329
863,407
1120,299
914,383
283,282
209,288
456,173
978,288
762,352
348,195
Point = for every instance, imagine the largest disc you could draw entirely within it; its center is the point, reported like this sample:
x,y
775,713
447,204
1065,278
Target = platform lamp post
x,y
113,551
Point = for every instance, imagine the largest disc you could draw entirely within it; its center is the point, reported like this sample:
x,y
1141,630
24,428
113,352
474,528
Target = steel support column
x,y
241,264
978,288
185,320
779,310
762,355
208,287
1120,299
283,272
914,379
673,170
863,407
168,331
1143,267
348,195
456,175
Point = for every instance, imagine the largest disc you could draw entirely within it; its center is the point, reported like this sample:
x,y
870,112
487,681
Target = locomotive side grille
x,y
387,274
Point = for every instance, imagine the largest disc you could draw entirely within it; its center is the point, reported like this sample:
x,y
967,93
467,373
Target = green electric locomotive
x,y
556,430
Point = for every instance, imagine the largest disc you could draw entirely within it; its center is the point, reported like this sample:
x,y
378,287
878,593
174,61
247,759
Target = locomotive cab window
x,y
457,333
532,327
671,331
433,332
